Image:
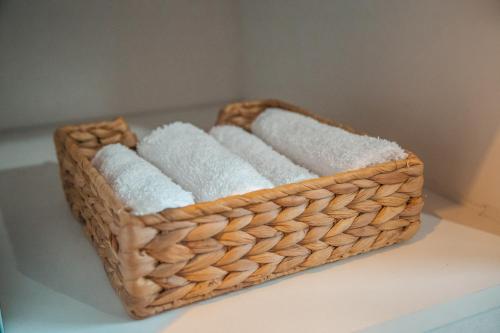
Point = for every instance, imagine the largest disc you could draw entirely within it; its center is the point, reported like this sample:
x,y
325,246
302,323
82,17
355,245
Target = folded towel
x,y
198,163
267,161
321,148
138,183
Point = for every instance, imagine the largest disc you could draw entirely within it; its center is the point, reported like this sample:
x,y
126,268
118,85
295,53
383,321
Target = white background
x,y
423,72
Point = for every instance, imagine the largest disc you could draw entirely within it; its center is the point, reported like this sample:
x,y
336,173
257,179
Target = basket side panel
x,y
91,199
204,251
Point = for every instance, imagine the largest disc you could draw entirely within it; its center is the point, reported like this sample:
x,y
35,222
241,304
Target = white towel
x,y
267,161
138,183
198,163
321,148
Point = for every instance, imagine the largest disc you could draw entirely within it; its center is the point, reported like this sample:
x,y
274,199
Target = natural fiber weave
x,y
162,261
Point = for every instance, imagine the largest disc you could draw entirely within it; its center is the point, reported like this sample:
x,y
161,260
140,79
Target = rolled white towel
x,y
138,183
198,163
321,148
267,161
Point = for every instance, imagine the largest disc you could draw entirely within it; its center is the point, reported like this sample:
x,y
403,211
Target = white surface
x,y
267,161
480,310
52,280
138,183
65,60
322,148
199,163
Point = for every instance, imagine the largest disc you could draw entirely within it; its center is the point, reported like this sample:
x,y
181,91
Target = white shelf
x,y
51,280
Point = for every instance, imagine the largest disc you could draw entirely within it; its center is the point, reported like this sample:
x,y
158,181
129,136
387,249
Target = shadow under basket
x,y
182,255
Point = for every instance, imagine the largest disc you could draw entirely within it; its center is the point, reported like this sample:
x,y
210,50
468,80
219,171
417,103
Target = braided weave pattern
x,y
162,261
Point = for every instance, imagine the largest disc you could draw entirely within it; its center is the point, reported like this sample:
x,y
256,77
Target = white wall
x,y
424,73
70,60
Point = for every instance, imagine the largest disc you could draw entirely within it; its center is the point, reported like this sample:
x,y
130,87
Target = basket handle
x,y
243,114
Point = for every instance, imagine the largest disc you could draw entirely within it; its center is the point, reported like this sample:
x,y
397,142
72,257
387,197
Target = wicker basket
x,y
162,261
